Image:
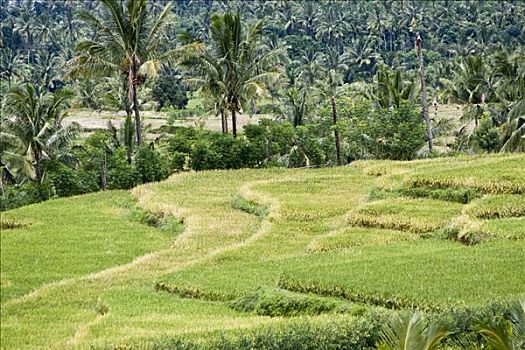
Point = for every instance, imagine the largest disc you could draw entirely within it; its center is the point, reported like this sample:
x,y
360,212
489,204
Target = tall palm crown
x,y
125,41
509,86
235,64
331,89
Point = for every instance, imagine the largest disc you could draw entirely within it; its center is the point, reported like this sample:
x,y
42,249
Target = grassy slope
x,y
307,240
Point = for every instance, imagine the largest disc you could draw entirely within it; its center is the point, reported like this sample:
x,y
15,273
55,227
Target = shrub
x,y
460,195
342,334
70,182
28,193
396,133
121,174
177,161
487,136
278,302
270,139
168,91
218,151
150,165
249,207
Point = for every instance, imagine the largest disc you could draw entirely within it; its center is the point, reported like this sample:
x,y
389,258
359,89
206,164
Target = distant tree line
x,y
337,81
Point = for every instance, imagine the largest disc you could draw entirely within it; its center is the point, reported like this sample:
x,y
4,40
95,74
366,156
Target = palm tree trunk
x,y
336,134
234,122
424,91
224,121
138,129
104,173
132,81
38,166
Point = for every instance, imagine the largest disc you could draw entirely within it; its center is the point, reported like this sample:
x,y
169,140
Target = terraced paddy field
x,y
237,257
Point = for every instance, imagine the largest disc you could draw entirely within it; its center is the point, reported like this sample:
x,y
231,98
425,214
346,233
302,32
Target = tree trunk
x,y
104,173
424,91
234,122
336,134
138,128
133,82
38,166
223,122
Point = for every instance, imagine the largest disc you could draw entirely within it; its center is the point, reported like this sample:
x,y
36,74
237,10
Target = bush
x,y
177,161
70,182
208,150
382,134
278,302
398,133
342,334
168,91
269,139
487,136
279,143
121,174
28,193
150,165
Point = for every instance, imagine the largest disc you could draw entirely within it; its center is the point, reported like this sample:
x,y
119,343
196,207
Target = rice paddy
x,y
261,248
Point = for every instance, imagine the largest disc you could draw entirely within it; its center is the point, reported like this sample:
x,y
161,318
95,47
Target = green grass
x,y
426,274
495,207
259,247
355,237
491,175
418,215
59,241
511,228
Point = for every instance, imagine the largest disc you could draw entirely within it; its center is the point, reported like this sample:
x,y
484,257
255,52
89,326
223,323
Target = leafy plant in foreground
x,y
410,331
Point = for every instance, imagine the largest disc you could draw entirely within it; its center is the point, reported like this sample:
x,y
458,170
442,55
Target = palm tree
x,y
126,41
424,100
509,86
35,118
504,334
11,65
294,105
310,61
389,88
235,64
409,331
470,86
330,90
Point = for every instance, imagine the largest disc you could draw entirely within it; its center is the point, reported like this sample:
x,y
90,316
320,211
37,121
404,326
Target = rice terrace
x,y
207,174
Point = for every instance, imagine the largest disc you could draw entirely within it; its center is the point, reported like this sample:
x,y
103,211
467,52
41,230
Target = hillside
x,y
204,252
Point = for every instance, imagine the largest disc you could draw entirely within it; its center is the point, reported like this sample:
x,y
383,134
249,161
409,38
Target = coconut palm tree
x,y
235,64
126,41
330,90
409,331
390,88
11,65
35,116
294,105
504,334
470,86
509,86
424,97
